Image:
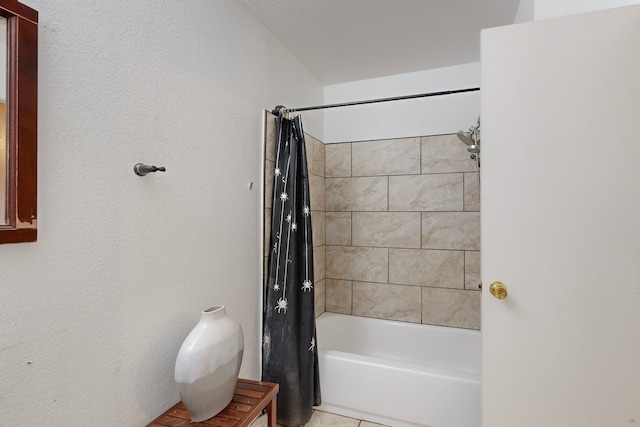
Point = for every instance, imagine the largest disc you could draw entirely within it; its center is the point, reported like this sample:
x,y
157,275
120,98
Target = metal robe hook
x,y
141,169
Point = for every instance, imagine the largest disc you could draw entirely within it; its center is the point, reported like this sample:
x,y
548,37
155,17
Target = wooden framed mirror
x,y
18,123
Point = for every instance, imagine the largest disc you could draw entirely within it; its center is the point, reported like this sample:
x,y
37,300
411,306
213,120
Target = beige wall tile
x,y
451,230
358,194
318,228
310,144
319,292
364,264
386,229
319,263
450,307
444,269
319,167
445,153
338,296
471,192
439,192
338,160
384,301
386,157
472,270
270,143
317,192
338,228
338,265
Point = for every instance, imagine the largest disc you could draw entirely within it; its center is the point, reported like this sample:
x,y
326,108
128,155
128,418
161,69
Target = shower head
x,y
466,138
474,148
471,138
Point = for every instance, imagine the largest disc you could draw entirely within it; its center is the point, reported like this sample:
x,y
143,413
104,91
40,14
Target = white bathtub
x,y
397,373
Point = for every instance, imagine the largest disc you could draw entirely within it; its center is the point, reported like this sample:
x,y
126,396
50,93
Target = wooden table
x,y
250,398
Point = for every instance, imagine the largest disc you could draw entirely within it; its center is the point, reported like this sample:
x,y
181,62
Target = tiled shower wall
x,y
396,228
403,231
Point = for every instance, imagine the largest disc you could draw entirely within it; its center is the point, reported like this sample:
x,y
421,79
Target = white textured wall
x,y
93,314
415,117
530,10
552,8
525,11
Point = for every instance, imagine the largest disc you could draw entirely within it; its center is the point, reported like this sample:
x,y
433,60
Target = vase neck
x,y
213,313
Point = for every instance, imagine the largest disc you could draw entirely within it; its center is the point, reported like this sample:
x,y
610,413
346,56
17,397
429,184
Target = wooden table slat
x,y
168,421
254,386
245,400
231,413
240,407
218,422
249,400
179,413
248,393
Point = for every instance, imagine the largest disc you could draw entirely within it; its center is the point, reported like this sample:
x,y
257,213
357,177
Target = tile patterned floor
x,y
324,419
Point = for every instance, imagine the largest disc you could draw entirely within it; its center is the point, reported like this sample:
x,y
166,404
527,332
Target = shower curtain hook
x,y
279,110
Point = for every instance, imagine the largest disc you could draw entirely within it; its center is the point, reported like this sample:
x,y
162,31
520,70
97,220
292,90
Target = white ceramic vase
x,y
208,364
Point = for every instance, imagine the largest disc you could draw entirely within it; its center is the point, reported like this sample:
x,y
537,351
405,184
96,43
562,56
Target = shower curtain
x,y
289,354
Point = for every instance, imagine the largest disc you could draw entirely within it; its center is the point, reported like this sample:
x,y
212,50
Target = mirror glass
x,y
3,121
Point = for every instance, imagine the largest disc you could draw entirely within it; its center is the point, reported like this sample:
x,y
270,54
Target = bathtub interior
x,y
399,374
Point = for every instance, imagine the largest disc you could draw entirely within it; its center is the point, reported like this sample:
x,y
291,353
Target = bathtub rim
x,y
449,331
451,374
452,329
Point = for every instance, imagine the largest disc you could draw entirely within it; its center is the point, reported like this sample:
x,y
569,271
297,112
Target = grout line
x,y
388,264
464,270
351,229
351,312
422,229
421,302
421,155
464,187
351,159
388,189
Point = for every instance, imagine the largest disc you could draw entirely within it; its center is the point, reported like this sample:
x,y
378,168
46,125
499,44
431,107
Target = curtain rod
x,y
280,108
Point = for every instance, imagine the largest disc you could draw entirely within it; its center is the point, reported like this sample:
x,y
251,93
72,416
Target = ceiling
x,y
347,40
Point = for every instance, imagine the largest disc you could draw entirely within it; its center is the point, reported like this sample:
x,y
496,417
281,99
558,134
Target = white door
x,y
561,221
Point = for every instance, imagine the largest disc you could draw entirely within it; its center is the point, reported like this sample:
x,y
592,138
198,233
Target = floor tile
x,y
368,424
323,419
260,422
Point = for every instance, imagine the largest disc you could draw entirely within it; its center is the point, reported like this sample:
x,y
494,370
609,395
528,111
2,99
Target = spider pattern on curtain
x,y
289,353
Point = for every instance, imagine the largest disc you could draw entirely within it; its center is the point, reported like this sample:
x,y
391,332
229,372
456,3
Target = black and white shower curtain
x,y
289,353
